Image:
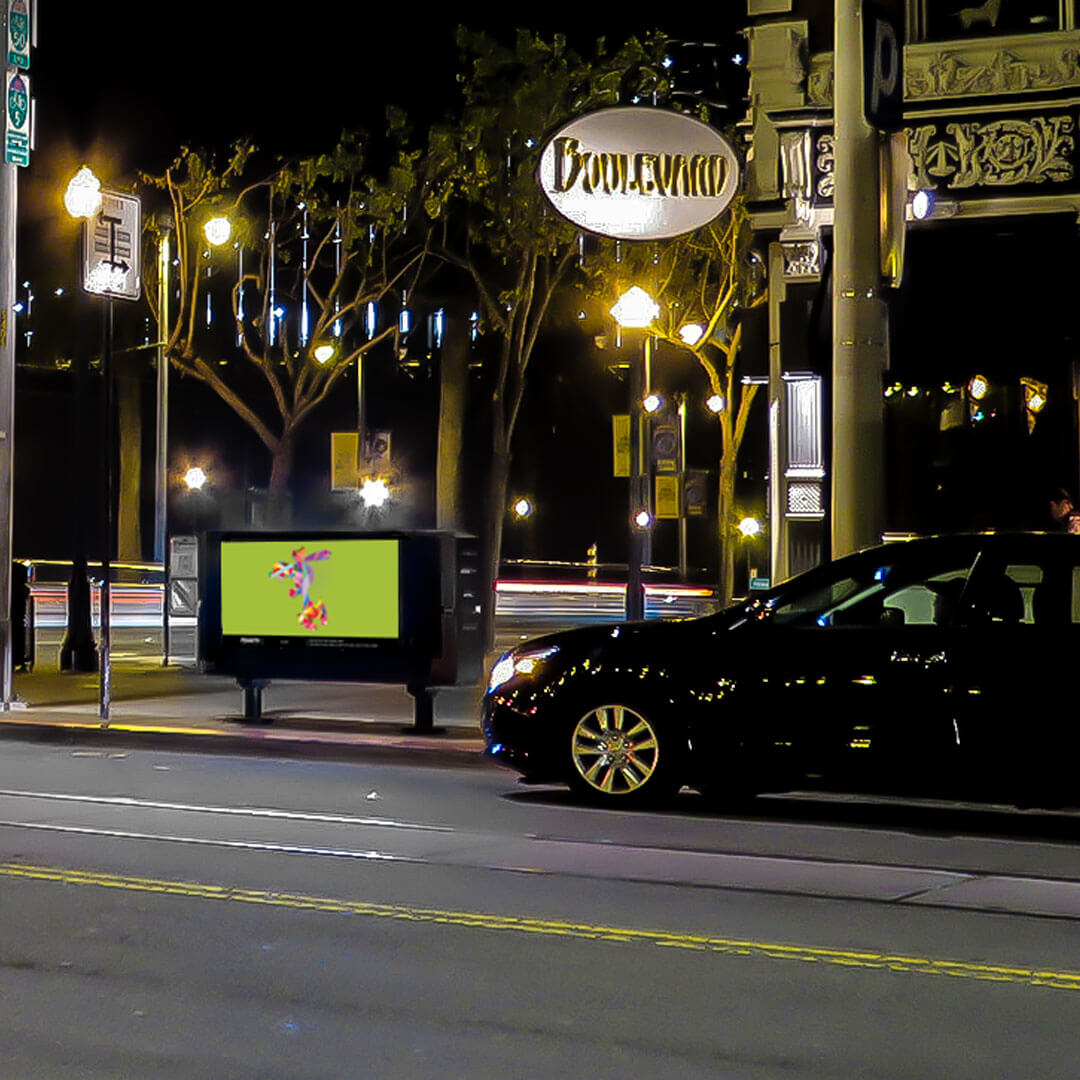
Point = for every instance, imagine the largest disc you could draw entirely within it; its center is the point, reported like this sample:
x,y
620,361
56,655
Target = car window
x,y
806,607
1041,593
922,592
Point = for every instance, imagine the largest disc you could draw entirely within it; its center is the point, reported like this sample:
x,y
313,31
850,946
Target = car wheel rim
x,y
615,750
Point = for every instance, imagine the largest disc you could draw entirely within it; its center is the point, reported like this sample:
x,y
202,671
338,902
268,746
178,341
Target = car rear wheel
x,y
619,755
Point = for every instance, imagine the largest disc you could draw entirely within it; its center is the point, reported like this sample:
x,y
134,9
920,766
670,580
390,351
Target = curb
x,y
429,750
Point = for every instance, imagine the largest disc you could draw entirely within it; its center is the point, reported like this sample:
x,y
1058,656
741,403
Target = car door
x,y
857,681
1012,671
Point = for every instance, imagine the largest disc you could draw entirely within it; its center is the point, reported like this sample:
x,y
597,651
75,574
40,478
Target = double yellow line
x,y
910,965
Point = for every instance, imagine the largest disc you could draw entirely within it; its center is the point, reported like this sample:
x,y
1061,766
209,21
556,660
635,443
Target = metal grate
x,y
804,497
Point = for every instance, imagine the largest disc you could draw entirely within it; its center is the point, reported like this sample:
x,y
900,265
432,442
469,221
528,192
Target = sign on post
x,y
883,68
18,33
620,431
17,124
112,264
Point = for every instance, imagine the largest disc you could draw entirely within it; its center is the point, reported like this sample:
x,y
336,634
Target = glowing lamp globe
x,y
635,309
195,478
217,231
82,199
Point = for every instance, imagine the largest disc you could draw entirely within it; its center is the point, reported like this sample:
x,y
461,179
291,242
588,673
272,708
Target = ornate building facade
x,y
980,401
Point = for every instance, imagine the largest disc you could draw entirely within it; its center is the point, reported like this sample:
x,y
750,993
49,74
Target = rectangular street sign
x,y
16,118
667,496
112,249
620,431
344,456
18,33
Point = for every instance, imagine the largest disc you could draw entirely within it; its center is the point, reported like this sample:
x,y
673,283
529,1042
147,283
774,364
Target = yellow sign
x,y
344,454
667,497
620,430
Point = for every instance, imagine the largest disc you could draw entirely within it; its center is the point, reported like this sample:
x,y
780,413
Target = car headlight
x,y
514,663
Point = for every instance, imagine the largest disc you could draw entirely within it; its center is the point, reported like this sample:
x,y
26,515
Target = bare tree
x,y
703,283
319,240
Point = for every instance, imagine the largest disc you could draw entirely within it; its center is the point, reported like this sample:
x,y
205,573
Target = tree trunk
x,y
491,541
453,376
725,512
282,461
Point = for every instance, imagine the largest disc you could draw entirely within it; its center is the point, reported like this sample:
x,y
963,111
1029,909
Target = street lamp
x,y
749,527
636,310
195,478
82,198
217,231
78,650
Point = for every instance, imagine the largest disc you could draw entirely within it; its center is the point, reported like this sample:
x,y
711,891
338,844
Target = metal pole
x,y
161,458
779,562
634,597
105,682
162,448
682,485
645,489
9,188
860,315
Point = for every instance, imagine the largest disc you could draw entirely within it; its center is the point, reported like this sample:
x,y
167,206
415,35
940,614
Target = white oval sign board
x,y
638,173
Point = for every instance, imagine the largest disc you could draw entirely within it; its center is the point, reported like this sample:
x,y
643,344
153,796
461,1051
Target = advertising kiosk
x,y
389,607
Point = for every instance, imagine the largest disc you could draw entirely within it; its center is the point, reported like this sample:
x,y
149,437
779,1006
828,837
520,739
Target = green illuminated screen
x,y
340,588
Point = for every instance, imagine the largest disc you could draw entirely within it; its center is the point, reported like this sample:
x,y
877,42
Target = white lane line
x,y
235,811
247,845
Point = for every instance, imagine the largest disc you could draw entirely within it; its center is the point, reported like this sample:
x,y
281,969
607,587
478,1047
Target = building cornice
x,y
948,70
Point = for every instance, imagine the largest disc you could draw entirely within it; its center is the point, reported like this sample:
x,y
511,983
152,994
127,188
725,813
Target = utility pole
x,y
8,215
860,313
19,37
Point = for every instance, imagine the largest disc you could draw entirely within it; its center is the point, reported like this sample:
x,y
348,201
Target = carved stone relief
x,y
1034,62
823,166
999,153
802,259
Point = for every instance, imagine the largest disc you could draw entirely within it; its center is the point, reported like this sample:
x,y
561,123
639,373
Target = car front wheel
x,y
619,755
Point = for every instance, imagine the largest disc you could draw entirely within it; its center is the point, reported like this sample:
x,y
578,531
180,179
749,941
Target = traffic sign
x,y
112,264
16,118
18,33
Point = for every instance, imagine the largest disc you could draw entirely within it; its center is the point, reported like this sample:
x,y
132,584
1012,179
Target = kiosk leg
x,y
423,710
253,689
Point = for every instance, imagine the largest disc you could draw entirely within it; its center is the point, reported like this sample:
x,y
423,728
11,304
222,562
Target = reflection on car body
x,y
934,666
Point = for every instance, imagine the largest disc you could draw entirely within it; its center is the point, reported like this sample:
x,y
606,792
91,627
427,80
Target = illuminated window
x,y
962,19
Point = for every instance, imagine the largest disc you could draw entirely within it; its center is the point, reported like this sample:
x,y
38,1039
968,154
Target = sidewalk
x,y
154,706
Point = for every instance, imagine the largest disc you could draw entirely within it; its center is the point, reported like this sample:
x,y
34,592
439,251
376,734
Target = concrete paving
x,y
155,705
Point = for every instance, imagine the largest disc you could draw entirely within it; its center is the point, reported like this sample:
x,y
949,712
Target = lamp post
x,y
83,199
636,310
78,650
111,268
749,528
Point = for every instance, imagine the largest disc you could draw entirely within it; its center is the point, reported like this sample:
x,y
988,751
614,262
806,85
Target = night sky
x,y
121,88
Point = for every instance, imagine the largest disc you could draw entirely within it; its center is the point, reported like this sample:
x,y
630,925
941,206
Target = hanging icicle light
x,y
240,294
436,329
337,271
305,325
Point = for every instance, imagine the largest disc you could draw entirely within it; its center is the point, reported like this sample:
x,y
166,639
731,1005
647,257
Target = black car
x,y
943,665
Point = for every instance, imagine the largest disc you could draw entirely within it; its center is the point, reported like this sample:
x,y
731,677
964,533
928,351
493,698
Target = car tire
x,y
620,755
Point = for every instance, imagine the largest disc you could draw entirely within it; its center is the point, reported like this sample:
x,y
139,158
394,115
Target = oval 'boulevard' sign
x,y
638,174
